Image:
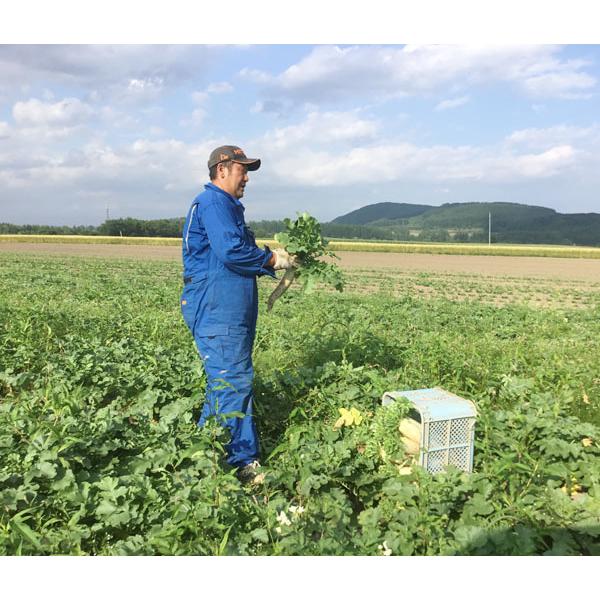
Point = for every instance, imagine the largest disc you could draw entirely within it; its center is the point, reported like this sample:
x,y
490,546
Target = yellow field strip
x,y
470,249
91,239
407,248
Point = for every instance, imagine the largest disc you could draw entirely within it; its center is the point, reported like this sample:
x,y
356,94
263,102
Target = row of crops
x,y
100,388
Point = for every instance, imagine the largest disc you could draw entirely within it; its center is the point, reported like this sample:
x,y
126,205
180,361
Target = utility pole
x,y
107,213
489,228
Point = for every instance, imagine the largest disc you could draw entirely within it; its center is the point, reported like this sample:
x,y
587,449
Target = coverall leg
x,y
226,354
227,363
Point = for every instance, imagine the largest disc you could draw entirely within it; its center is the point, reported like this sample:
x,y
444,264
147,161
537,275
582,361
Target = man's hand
x,y
283,260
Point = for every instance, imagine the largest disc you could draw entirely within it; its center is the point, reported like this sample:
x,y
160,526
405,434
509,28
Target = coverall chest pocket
x,y
250,237
246,232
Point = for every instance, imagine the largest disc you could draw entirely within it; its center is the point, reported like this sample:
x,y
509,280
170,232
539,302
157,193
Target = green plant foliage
x,y
100,389
303,239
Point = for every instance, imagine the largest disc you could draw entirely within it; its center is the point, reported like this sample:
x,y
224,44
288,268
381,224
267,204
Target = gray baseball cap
x,y
233,153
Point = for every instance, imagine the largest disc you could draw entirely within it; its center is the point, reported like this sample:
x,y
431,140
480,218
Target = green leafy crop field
x,y
100,388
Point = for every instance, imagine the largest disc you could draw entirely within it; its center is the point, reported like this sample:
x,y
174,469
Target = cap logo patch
x,y
223,157
238,151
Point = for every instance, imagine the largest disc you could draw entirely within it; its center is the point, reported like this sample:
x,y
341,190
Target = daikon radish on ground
x,y
411,435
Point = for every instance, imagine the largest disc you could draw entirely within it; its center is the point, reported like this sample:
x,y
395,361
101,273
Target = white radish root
x,y
411,435
284,284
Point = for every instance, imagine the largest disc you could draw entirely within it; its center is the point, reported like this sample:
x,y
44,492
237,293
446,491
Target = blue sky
x,y
337,127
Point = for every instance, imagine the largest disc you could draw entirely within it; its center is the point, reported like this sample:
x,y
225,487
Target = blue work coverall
x,y
219,304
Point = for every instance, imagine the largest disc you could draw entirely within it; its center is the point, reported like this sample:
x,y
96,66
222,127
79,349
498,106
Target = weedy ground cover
x,y
497,290
100,389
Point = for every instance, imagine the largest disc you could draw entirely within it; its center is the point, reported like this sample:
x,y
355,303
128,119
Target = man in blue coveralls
x,y
219,302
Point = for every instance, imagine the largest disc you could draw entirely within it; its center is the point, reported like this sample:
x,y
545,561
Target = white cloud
x,y
102,66
339,148
154,148
198,116
569,85
331,73
161,175
223,87
539,138
403,162
452,103
138,172
256,76
199,113
156,131
117,119
545,164
199,97
319,128
67,112
4,130
143,89
133,168
269,106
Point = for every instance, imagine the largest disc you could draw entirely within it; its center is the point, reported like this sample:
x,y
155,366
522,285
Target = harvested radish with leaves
x,y
302,239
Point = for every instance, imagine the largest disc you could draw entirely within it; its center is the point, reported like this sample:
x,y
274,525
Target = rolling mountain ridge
x,y
511,222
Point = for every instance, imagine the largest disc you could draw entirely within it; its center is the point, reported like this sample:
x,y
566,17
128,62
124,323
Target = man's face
x,y
233,179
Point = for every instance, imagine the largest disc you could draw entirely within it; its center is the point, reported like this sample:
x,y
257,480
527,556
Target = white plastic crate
x,y
447,427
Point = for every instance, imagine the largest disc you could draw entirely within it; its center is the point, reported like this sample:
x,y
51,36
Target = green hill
x,y
505,215
381,210
511,222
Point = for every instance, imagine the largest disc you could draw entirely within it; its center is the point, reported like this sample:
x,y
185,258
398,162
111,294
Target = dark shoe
x,y
250,474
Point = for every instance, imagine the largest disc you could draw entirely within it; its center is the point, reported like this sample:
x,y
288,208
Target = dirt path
x,y
568,269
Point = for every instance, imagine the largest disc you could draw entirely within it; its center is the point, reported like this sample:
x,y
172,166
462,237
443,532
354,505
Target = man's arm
x,y
228,242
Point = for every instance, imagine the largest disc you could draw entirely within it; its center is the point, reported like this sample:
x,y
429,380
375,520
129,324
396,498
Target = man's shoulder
x,y
206,194
209,196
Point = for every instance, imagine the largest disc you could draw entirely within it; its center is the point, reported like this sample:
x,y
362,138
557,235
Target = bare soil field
x,y
99,250
565,269
571,269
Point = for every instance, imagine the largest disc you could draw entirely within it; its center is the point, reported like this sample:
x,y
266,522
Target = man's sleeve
x,y
229,242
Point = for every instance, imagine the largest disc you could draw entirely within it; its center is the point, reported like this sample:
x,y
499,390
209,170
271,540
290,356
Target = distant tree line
x,y
139,228
573,231
10,229
262,229
119,227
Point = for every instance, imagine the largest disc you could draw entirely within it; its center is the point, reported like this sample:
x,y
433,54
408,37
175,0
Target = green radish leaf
x,y
302,239
261,535
26,533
